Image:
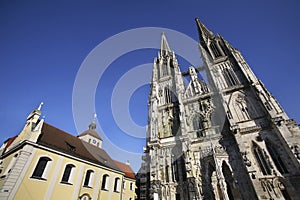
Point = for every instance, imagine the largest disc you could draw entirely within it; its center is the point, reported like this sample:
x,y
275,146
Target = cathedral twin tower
x,y
224,139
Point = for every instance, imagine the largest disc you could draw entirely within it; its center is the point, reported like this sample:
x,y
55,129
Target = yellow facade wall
x,y
127,192
52,188
32,188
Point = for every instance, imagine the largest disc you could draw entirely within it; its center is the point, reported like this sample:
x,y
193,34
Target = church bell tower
x,y
262,134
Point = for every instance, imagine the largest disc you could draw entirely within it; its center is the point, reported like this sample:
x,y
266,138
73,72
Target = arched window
x,y
229,180
131,186
223,48
215,50
230,77
241,107
40,168
168,97
164,68
261,159
88,178
105,180
198,126
167,173
276,158
67,173
117,185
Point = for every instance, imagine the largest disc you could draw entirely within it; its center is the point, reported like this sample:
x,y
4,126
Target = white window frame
x,y
107,178
46,170
91,178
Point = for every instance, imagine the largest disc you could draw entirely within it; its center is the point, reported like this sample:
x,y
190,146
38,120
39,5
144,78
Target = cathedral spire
x,y
204,32
164,46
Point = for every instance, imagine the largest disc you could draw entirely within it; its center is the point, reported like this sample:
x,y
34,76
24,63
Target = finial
x,y
40,106
92,125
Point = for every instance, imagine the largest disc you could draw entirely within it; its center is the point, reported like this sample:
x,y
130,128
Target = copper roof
x,y
57,139
126,169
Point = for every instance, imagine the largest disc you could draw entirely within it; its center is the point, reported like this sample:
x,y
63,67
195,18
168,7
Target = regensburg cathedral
x,y
223,138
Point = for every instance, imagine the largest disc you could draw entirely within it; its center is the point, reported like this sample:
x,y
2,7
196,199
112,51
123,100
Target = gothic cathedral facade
x,y
223,138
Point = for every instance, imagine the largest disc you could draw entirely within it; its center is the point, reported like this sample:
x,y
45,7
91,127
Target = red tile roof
x,y
126,169
8,143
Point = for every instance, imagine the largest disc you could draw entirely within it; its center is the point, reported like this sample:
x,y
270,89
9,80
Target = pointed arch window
x,y
230,77
261,159
215,50
231,189
39,170
168,97
164,68
276,158
67,173
241,108
222,47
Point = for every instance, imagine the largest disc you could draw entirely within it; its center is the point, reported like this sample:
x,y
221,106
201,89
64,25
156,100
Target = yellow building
x,y
44,162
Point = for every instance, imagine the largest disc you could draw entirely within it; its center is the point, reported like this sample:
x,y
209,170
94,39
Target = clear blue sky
x,y
43,44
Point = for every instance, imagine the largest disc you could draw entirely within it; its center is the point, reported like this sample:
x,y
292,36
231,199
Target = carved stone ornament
x,y
188,166
240,98
246,159
220,150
